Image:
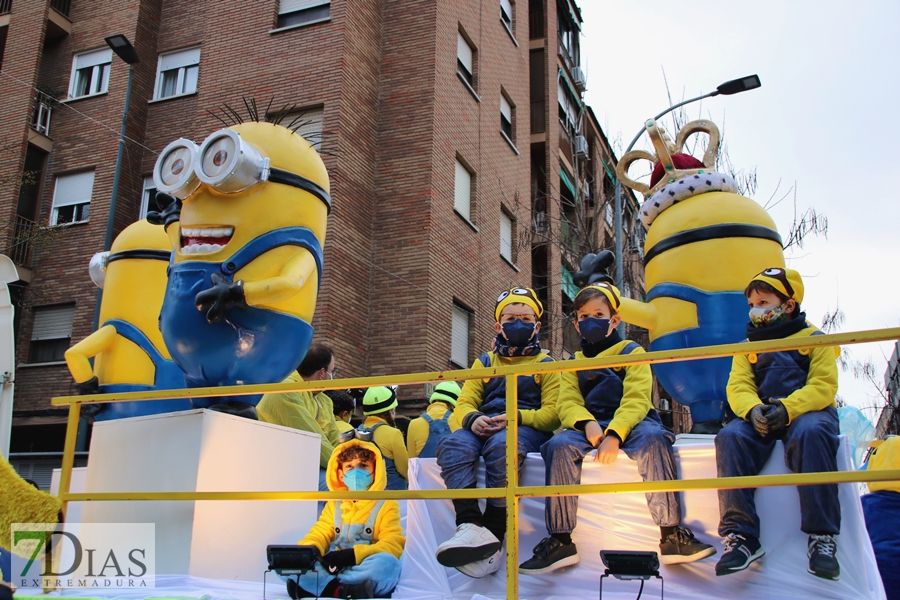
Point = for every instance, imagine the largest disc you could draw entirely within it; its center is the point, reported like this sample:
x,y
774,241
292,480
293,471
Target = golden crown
x,y
665,148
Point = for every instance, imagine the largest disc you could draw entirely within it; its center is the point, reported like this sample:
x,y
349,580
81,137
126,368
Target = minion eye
x,y
520,292
229,164
773,272
502,296
174,170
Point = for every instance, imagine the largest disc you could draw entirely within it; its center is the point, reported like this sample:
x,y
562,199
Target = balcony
x,y
5,6
25,231
41,112
538,116
60,6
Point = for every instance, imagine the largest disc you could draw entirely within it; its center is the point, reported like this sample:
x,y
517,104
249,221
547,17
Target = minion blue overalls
x,y
394,480
167,376
437,430
248,345
385,567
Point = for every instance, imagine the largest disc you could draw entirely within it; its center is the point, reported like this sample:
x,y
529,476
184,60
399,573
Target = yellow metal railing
x,y
513,492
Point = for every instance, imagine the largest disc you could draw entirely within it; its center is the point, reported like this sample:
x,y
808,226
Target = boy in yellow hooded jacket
x,y
360,541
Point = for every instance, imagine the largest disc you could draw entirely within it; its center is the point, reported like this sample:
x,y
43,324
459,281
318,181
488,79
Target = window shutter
x,y
289,6
92,59
505,108
462,193
309,121
459,351
176,60
464,52
505,236
53,323
506,7
73,189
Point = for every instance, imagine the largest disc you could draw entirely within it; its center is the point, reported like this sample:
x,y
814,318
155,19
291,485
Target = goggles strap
x,y
292,179
148,254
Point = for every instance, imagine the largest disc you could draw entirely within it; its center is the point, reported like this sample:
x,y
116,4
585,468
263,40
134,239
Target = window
x,y
72,198
610,214
506,15
90,73
568,30
51,333
465,57
148,198
177,72
459,334
306,122
506,117
506,236
301,12
568,107
462,191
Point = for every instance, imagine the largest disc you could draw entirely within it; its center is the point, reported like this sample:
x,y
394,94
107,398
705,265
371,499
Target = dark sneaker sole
x,y
835,577
566,561
751,559
457,557
678,559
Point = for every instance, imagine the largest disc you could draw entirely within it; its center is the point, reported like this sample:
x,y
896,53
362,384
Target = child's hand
x,y
757,418
336,560
777,417
608,451
498,423
594,433
482,426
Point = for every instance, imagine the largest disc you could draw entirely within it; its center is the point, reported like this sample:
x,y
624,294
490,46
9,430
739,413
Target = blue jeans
x,y
810,445
458,455
649,443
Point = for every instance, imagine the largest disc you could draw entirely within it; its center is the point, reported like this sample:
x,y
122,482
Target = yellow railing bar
x,y
832,339
512,486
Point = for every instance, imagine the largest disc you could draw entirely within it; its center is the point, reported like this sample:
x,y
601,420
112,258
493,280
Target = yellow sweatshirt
x,y
388,534
636,396
417,434
818,393
342,426
542,419
304,411
21,502
390,440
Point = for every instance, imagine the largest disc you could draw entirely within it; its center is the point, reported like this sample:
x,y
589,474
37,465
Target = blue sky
x,y
823,120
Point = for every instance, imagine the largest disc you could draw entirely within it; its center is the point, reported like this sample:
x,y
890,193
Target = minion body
x,y
269,237
128,349
699,256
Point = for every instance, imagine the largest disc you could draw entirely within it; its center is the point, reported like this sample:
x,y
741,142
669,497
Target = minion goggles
x,y
362,434
610,291
226,163
518,296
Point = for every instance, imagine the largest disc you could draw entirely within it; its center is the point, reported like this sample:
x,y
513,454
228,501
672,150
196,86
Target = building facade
x,y
435,119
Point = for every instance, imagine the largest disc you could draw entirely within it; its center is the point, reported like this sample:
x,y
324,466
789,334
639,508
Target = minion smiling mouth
x,y
204,240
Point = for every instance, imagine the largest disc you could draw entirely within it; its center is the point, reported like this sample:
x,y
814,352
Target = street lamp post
x,y
735,86
124,50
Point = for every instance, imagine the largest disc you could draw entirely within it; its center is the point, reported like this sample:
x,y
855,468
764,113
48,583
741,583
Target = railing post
x,y
65,476
512,487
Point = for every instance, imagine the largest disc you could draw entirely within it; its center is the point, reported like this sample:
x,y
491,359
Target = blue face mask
x,y
518,332
358,480
594,330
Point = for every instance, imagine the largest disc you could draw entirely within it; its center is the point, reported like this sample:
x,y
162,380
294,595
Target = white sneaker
x,y
479,569
471,543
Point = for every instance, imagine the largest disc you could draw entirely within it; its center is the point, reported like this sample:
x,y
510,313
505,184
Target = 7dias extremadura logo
x,y
84,555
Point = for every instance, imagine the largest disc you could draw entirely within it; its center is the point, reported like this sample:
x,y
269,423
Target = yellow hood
x,y
885,457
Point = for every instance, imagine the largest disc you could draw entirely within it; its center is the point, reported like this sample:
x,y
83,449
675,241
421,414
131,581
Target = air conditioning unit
x,y
581,146
579,79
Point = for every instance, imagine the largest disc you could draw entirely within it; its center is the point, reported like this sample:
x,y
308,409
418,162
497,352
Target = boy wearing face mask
x,y
360,542
786,396
608,409
378,407
475,548
343,406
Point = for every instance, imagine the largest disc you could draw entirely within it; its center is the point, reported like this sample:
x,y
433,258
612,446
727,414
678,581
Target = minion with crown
x,y
704,242
128,349
247,218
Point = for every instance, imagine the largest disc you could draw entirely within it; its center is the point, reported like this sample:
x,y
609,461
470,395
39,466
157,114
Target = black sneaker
x,y
740,551
358,590
550,555
822,553
682,547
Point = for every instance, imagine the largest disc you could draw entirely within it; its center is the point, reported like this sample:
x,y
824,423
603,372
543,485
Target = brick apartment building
x,y
453,172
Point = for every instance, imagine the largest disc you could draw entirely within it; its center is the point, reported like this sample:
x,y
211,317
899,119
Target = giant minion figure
x,y
704,243
248,227
128,349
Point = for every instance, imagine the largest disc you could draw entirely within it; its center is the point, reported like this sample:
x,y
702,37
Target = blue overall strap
x,y
428,419
138,338
629,348
289,236
376,426
369,529
485,359
447,415
677,291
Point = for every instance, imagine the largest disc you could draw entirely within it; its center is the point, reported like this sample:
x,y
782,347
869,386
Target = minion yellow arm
x,y
296,273
77,356
638,313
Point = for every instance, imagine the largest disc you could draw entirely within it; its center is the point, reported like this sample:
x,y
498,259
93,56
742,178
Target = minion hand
x,y
170,213
91,386
337,560
220,297
777,416
757,418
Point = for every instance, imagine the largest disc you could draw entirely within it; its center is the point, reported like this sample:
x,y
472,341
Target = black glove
x,y
170,213
337,560
220,297
91,386
777,416
757,418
